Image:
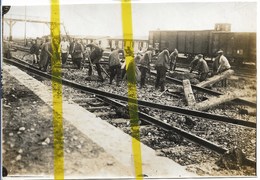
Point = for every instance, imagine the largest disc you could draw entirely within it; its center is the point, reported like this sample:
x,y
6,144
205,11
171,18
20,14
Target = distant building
x,y
138,43
101,41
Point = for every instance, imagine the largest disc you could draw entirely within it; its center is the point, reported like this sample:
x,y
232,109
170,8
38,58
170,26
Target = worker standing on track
x,y
6,50
34,50
161,66
115,65
95,56
145,65
173,59
77,53
46,54
223,62
64,46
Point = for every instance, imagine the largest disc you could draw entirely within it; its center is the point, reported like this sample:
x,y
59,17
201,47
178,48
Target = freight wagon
x,y
237,46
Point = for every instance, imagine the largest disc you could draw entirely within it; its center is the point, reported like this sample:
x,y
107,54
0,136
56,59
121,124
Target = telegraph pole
x,y
10,23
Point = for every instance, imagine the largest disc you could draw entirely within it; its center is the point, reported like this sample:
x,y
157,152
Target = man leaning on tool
x,y
161,66
77,53
145,65
46,54
115,65
95,56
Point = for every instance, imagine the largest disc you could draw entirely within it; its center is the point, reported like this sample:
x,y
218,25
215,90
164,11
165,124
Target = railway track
x,y
102,101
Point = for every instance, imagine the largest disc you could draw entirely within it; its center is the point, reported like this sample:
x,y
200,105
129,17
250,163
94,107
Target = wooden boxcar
x,y
236,46
187,42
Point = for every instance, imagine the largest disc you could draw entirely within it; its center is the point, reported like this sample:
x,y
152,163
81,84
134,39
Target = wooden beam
x,y
28,20
214,101
188,92
216,78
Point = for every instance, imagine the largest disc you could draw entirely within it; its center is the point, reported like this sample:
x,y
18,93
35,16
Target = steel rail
x,y
174,109
150,120
205,90
169,128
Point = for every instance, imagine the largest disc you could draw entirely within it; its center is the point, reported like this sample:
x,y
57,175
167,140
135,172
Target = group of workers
x,y
199,64
76,49
79,51
164,62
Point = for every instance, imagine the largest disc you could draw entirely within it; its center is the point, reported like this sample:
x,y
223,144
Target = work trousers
x,y
77,62
160,78
143,76
64,57
115,71
98,70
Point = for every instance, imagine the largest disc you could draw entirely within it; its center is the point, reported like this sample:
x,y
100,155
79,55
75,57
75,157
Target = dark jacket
x,y
35,49
77,51
96,53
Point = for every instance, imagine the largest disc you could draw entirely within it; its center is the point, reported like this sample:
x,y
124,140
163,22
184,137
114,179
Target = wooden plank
x,y
188,92
216,78
214,101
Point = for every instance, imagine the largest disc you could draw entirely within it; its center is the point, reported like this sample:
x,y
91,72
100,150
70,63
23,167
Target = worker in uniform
x,y
95,56
6,49
115,65
46,54
201,67
173,59
161,66
64,46
223,62
145,65
77,53
34,51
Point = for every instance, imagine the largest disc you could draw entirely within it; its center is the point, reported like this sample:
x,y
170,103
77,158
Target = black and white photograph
x,y
131,89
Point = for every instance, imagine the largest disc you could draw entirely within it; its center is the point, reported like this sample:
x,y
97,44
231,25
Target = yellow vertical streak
x,y
132,92
57,91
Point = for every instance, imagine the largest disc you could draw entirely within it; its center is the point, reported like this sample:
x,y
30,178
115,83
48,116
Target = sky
x,y
105,19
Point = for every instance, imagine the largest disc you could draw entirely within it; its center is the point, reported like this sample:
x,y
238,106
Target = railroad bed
x,y
93,148
174,147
